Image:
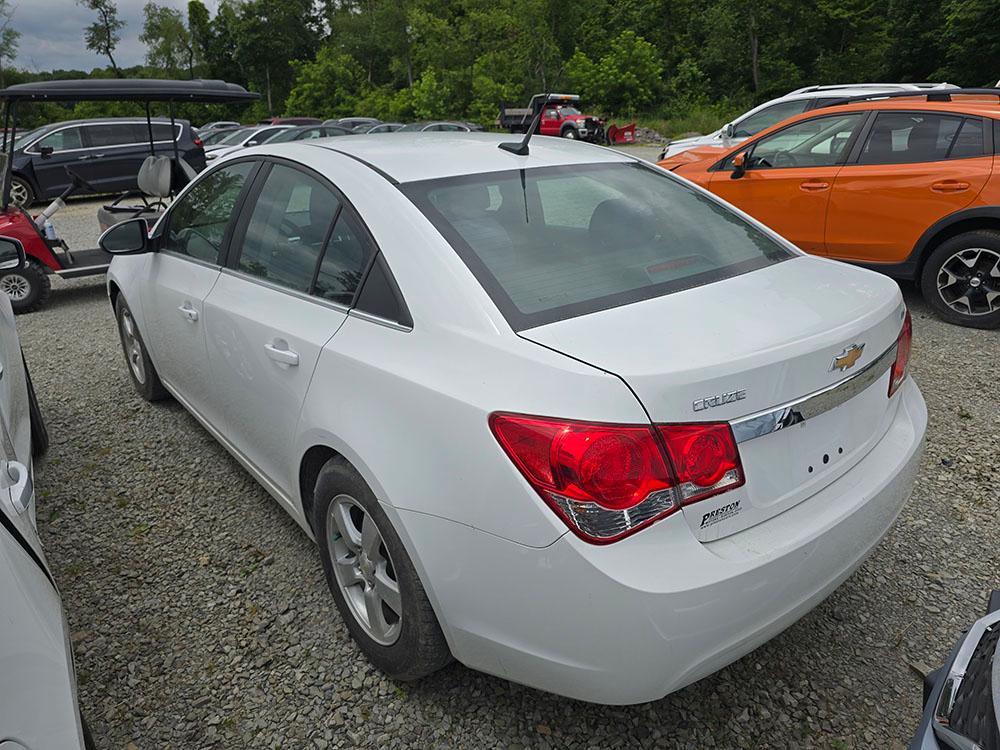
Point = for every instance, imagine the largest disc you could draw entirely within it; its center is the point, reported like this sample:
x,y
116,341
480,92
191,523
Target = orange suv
x,y
907,184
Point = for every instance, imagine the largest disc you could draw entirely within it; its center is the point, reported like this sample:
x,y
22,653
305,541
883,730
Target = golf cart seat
x,y
155,181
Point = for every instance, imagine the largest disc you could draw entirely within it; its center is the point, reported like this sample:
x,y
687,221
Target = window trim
x,y
235,246
520,321
750,144
163,227
855,159
83,137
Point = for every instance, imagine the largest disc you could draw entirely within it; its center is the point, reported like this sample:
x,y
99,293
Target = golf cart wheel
x,y
21,194
570,133
140,367
28,287
39,432
961,279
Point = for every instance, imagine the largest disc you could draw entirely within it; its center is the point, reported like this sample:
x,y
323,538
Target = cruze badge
x,y
847,358
710,402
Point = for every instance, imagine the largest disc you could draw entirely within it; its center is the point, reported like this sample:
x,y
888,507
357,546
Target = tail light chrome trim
x,y
816,403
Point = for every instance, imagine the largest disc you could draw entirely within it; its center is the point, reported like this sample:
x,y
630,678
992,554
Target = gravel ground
x,y
200,616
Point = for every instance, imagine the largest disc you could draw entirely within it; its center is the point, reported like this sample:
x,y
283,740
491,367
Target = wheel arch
x,y
113,291
960,222
312,462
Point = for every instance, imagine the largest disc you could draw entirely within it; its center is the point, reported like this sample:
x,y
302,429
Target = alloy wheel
x,y
969,281
18,193
364,570
133,347
15,286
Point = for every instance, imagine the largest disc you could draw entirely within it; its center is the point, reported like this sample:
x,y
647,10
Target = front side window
x,y
557,242
288,229
819,142
198,219
61,140
758,121
906,137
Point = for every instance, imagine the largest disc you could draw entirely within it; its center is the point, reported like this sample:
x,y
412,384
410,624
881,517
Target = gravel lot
x,y
200,616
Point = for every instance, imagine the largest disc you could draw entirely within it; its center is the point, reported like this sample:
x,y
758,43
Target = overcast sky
x,y
52,34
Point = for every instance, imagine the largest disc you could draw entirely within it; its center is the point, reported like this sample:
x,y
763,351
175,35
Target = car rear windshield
x,y
558,242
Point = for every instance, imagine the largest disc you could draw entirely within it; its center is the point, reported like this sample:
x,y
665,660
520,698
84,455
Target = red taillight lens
x,y
902,364
198,142
608,481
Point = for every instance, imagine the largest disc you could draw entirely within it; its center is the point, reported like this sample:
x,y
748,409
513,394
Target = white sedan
x,y
561,416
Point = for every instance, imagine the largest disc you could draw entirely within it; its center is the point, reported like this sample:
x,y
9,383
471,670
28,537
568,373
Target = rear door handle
x,y
279,352
949,186
189,313
814,186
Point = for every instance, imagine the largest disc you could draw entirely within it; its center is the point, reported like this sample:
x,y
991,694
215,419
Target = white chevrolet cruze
x,y
561,416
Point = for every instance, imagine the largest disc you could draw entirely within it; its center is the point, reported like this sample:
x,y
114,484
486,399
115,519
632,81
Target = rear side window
x,y
906,137
161,131
288,229
344,261
553,243
969,141
112,134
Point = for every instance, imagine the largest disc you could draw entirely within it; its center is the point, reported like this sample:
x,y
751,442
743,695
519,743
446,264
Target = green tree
x,y
168,42
624,80
9,38
971,42
103,35
200,30
326,87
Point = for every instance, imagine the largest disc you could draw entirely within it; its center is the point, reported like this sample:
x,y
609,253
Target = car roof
x,y
408,157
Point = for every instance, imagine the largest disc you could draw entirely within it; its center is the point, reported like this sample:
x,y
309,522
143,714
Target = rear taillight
x,y
198,143
608,481
902,363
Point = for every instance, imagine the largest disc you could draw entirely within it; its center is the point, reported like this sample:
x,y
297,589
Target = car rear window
x,y
558,242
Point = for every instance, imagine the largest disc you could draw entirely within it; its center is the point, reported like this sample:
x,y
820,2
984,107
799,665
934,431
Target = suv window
x,y
819,142
61,140
198,219
902,137
287,229
111,134
969,141
646,234
161,131
344,262
750,126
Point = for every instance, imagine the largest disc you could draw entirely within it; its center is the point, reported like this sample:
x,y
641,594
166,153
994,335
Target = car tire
x,y
405,645
21,193
960,269
140,368
28,287
570,133
39,431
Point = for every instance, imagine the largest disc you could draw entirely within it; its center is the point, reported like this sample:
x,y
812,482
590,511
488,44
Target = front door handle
x,y
949,186
814,186
279,352
189,313
22,489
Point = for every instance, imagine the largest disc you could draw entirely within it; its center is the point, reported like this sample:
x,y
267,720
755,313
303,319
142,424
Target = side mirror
x,y
252,143
11,254
126,238
729,131
46,151
740,163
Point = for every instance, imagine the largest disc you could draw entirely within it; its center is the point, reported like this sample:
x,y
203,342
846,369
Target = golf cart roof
x,y
134,90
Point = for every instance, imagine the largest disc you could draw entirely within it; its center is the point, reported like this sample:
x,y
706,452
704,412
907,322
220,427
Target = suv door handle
x,y
814,186
279,352
22,489
949,186
189,313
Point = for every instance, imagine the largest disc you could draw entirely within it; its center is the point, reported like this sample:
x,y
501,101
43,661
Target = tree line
x,y
414,59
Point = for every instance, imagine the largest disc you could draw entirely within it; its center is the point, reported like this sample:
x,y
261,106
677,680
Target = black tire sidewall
x,y
152,389
571,133
420,648
39,286
928,278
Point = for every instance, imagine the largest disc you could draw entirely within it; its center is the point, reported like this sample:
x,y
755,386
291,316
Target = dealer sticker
x,y
720,514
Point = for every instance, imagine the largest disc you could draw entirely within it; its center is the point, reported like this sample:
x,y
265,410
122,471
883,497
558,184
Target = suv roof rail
x,y
932,95
891,86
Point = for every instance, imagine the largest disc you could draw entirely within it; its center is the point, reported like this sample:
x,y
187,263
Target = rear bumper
x,y
633,621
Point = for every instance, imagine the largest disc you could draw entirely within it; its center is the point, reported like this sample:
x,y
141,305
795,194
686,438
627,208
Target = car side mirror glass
x,y
11,254
125,238
46,151
253,143
741,163
729,131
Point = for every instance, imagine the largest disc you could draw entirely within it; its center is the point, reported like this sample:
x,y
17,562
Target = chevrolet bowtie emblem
x,y
847,358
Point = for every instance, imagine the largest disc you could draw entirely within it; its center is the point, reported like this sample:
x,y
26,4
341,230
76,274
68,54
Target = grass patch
x,y
693,118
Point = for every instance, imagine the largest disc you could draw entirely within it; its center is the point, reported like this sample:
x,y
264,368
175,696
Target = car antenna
x,y
521,149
